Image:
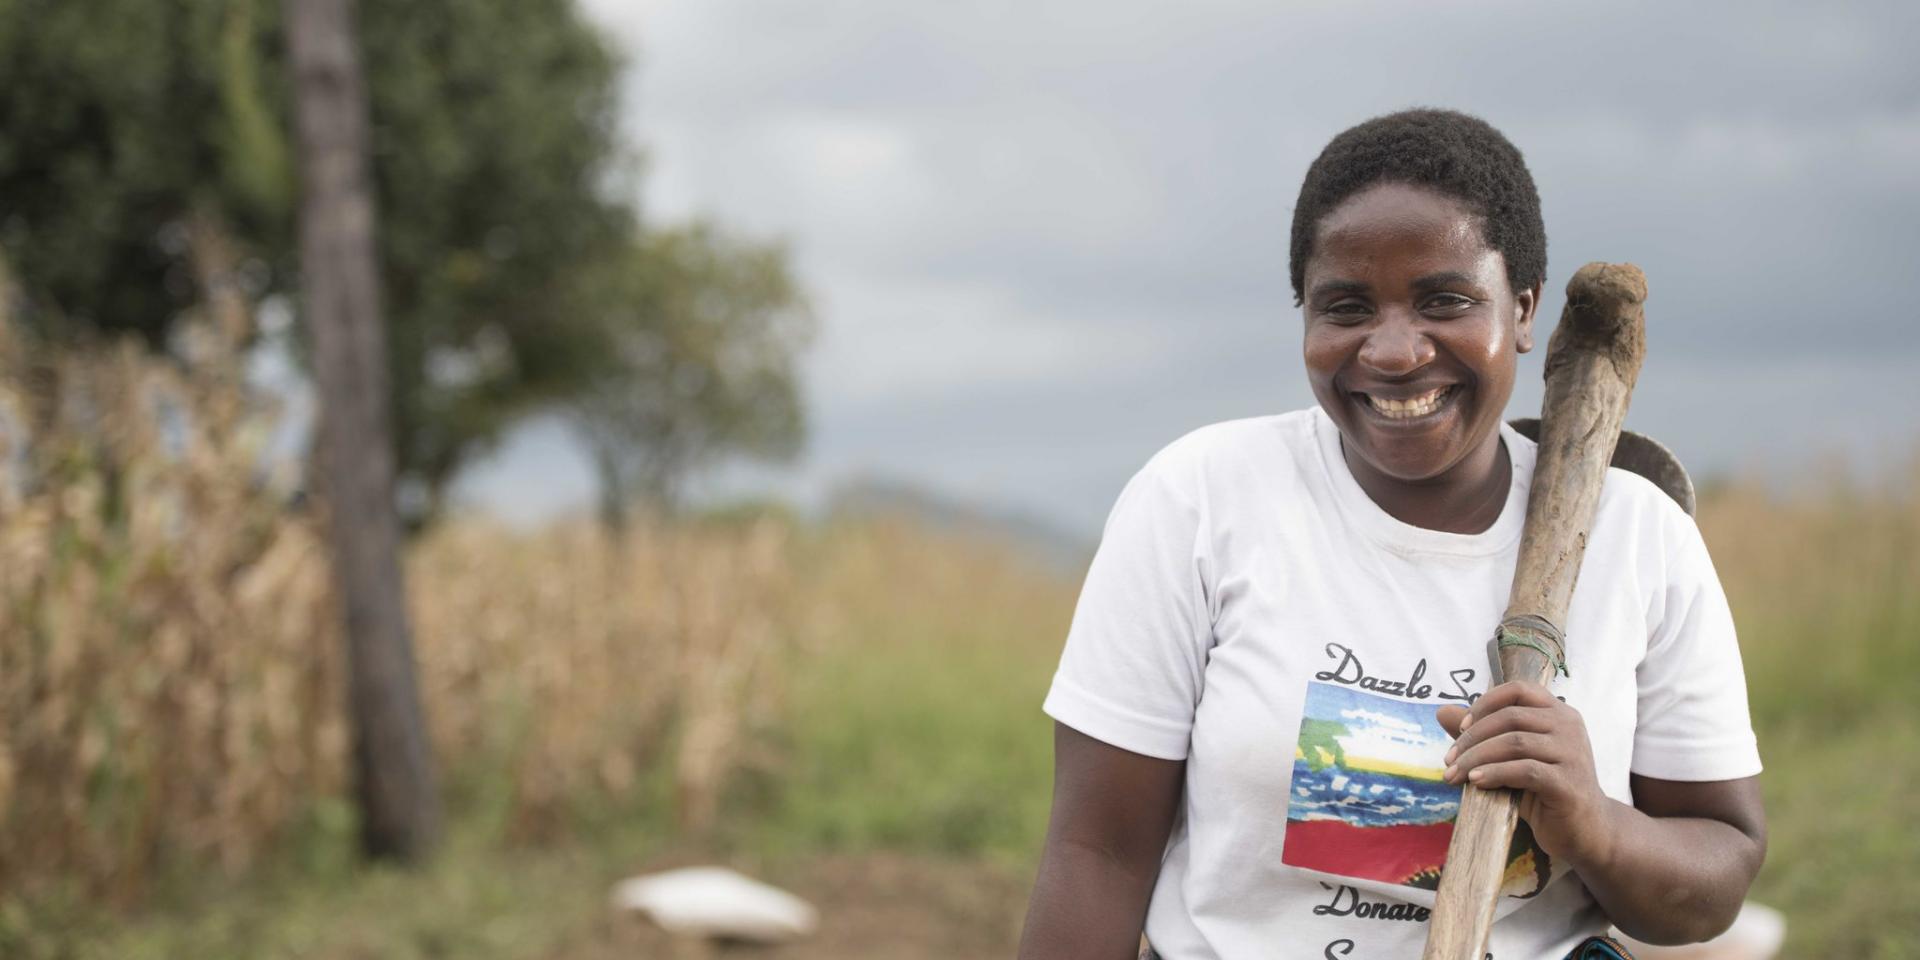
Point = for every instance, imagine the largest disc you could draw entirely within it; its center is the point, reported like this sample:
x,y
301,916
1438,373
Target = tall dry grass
x,y
1825,583
561,664
170,672
167,680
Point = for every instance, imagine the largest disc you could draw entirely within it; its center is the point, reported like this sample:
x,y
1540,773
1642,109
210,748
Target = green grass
x,y
479,898
1840,736
919,747
1843,847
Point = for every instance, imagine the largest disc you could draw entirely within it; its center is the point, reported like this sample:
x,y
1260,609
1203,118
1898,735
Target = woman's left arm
x,y
1672,868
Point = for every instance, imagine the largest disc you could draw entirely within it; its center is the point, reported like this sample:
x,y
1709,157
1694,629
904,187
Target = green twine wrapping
x,y
1536,633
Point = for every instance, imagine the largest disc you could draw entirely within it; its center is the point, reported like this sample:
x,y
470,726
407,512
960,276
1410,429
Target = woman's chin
x,y
1412,452
1410,449
1409,466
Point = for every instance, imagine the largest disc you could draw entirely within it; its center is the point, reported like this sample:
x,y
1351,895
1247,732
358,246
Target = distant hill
x,y
1032,537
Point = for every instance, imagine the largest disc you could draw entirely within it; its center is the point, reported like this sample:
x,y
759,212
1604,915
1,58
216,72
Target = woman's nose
x,y
1396,346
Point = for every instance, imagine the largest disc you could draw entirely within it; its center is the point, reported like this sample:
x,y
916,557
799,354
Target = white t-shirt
x,y
1253,612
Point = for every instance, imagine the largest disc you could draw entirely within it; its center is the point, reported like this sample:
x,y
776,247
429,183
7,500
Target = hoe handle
x,y
1592,362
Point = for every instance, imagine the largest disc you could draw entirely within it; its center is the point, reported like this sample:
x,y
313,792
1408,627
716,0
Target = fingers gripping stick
x,y
1592,362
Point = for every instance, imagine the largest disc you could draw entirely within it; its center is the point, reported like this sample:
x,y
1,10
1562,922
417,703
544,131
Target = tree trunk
x,y
613,494
394,778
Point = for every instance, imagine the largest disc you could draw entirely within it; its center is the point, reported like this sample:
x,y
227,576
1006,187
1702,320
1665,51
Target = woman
x,y
1286,624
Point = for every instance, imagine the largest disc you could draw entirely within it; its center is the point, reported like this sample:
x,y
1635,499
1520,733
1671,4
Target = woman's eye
x,y
1447,304
1347,312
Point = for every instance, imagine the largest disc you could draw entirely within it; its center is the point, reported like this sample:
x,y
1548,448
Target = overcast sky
x,y
1046,238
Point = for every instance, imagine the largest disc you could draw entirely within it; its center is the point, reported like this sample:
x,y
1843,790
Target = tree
x,y
393,766
112,140
496,169
706,330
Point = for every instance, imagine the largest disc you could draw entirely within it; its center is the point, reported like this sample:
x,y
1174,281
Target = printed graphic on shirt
x,y
1367,798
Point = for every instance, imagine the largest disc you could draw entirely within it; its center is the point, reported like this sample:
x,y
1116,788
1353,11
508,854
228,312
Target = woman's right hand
x,y
1112,812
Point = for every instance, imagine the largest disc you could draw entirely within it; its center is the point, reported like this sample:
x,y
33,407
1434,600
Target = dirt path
x,y
878,906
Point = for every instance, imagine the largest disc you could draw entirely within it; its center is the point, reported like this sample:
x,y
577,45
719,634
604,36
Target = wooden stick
x,y
1592,362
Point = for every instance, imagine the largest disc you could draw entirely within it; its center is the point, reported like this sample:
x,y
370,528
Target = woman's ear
x,y
1524,304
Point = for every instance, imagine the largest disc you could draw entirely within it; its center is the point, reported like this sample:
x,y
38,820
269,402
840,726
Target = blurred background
x,y
758,376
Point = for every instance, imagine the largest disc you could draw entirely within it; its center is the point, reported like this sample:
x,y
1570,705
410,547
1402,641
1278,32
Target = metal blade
x,y
1637,453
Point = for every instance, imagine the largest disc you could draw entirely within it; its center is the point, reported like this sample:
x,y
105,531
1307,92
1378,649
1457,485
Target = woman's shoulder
x,y
1630,494
1638,522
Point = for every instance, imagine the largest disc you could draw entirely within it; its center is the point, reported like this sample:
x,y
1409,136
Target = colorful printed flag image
x,y
1367,800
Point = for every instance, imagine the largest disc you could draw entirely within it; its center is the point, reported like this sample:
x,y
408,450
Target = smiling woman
x,y
1418,254
1225,769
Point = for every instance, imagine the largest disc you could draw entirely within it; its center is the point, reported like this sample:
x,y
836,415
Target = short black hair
x,y
1458,155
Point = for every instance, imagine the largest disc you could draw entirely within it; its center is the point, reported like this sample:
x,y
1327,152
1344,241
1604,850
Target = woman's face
x,y
1412,332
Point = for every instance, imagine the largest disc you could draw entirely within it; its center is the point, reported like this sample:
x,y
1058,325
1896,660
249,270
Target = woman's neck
x,y
1465,499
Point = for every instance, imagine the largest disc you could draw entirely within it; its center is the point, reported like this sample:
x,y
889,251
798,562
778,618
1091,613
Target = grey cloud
x,y
1047,238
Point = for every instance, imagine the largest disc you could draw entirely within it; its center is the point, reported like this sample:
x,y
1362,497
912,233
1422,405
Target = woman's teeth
x,y
1409,408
